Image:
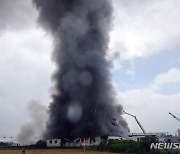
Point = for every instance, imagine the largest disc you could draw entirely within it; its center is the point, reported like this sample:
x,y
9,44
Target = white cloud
x,y
151,106
16,15
143,28
173,75
26,68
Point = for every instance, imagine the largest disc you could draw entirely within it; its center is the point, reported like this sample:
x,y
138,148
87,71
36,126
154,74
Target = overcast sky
x,y
144,46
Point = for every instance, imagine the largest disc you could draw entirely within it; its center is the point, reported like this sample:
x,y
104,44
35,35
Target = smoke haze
x,y
16,14
84,100
31,131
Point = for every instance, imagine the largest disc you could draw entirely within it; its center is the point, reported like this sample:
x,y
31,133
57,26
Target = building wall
x,y
54,143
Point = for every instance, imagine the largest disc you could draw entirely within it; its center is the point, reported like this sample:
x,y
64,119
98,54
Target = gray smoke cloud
x,y
32,131
16,14
84,101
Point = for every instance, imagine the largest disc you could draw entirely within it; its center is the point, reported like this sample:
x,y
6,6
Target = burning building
x,y
78,142
83,103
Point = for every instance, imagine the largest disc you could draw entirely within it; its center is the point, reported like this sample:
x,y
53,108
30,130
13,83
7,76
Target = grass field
x,y
56,151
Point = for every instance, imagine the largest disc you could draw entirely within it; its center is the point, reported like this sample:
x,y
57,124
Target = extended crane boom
x,y
174,116
144,132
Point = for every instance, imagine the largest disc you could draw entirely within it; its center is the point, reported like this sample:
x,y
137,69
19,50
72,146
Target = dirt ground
x,y
56,151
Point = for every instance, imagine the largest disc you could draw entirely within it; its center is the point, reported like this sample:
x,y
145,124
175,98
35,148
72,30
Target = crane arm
x,y
174,116
129,114
144,132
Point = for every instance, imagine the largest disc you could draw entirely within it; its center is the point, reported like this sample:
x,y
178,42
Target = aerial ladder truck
x,y
144,132
178,130
174,116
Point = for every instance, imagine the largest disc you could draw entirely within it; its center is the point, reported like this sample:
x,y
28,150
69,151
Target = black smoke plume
x,y
83,104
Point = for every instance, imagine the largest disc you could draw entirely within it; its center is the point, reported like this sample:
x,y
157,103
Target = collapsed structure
x,y
78,142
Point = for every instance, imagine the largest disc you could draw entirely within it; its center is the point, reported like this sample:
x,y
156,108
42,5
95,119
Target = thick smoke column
x,y
83,104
